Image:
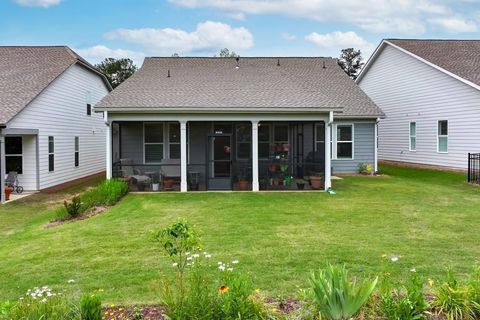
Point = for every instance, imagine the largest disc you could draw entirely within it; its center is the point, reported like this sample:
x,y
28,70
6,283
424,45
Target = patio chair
x,y
170,169
12,182
128,171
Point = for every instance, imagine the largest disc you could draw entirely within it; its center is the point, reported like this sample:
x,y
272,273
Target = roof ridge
x,y
249,57
431,39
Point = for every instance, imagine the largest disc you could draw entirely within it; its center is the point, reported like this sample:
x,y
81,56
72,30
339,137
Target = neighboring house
x,y
49,133
430,93
210,123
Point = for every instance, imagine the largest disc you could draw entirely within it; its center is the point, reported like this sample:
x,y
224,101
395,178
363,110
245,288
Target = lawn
x,y
429,219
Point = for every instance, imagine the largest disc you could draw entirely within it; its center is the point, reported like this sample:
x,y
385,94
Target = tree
x,y
351,62
117,70
225,53
175,55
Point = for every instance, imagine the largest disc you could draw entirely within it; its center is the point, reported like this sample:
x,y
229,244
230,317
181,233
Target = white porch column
x,y
328,152
375,165
109,158
2,168
255,185
183,156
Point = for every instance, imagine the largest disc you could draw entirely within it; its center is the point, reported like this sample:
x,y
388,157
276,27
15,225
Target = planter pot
x,y
168,184
300,186
8,192
155,186
272,168
243,185
316,182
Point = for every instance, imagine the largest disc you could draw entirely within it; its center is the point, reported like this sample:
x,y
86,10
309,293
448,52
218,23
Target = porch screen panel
x,y
174,140
263,141
244,138
153,142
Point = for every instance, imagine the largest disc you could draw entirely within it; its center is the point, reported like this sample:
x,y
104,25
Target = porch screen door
x,y
220,162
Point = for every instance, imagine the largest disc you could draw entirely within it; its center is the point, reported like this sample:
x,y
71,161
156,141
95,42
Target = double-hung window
x,y
77,151
51,153
345,141
243,140
14,154
174,140
88,100
413,136
442,139
153,142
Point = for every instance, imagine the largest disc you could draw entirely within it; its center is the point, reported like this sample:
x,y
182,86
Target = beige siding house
x,y
430,93
49,133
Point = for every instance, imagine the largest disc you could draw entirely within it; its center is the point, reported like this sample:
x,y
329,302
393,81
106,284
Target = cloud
x,y
209,36
38,3
236,15
287,36
333,42
98,53
455,24
380,16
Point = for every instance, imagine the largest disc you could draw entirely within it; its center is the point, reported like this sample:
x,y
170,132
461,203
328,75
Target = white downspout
x,y
2,168
108,146
375,165
183,156
328,152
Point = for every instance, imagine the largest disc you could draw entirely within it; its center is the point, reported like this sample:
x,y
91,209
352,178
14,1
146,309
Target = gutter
x,y
216,110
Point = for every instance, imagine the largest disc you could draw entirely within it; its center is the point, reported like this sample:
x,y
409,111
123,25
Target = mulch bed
x,y
94,212
124,313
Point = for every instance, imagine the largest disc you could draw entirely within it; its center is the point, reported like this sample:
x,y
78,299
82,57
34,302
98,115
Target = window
x,y
89,109
77,152
320,137
280,134
174,140
442,142
263,141
88,99
51,153
243,139
14,154
413,136
153,142
345,141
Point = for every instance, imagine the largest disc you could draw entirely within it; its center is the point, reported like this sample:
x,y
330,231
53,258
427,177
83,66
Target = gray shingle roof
x,y
258,84
26,71
460,57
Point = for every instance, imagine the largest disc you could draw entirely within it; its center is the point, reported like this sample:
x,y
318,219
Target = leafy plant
x,y
74,208
365,168
336,296
408,303
5,308
300,181
454,300
106,194
90,307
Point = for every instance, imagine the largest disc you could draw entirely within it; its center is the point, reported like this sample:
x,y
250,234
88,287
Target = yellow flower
x,y
384,255
257,290
101,290
223,289
112,305
430,282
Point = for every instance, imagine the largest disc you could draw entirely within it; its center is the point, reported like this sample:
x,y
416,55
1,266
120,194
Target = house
x,y
48,132
245,123
430,93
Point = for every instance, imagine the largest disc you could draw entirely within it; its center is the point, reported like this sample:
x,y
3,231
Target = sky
x,y
97,29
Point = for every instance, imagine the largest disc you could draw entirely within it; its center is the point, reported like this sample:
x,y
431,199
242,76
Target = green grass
x,y
429,218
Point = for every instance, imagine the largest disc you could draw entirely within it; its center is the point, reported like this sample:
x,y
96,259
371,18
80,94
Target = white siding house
x,y
60,137
432,114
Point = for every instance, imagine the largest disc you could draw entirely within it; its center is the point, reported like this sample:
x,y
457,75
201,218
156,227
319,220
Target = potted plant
x,y
287,181
272,167
316,181
155,183
168,184
242,183
365,168
284,167
8,192
300,183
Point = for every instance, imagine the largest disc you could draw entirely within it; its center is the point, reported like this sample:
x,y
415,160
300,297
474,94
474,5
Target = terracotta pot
x,y
316,182
243,185
168,184
8,192
273,167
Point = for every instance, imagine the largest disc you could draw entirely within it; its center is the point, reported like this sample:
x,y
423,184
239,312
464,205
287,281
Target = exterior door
x,y
220,162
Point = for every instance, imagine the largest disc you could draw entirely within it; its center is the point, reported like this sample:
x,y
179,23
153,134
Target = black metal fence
x,y
474,168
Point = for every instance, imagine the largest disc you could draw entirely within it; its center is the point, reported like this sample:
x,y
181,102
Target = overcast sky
x,y
136,28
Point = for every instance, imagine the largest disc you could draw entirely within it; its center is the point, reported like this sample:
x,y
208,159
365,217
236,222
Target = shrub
x,y
43,303
454,300
74,208
335,296
90,307
106,194
408,303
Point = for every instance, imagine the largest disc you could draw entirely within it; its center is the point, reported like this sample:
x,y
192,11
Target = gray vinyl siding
x,y
408,90
363,149
60,111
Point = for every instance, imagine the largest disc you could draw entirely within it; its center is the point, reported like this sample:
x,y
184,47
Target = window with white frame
x,y
413,136
14,154
51,153
88,100
77,151
344,139
442,143
174,140
263,141
153,142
